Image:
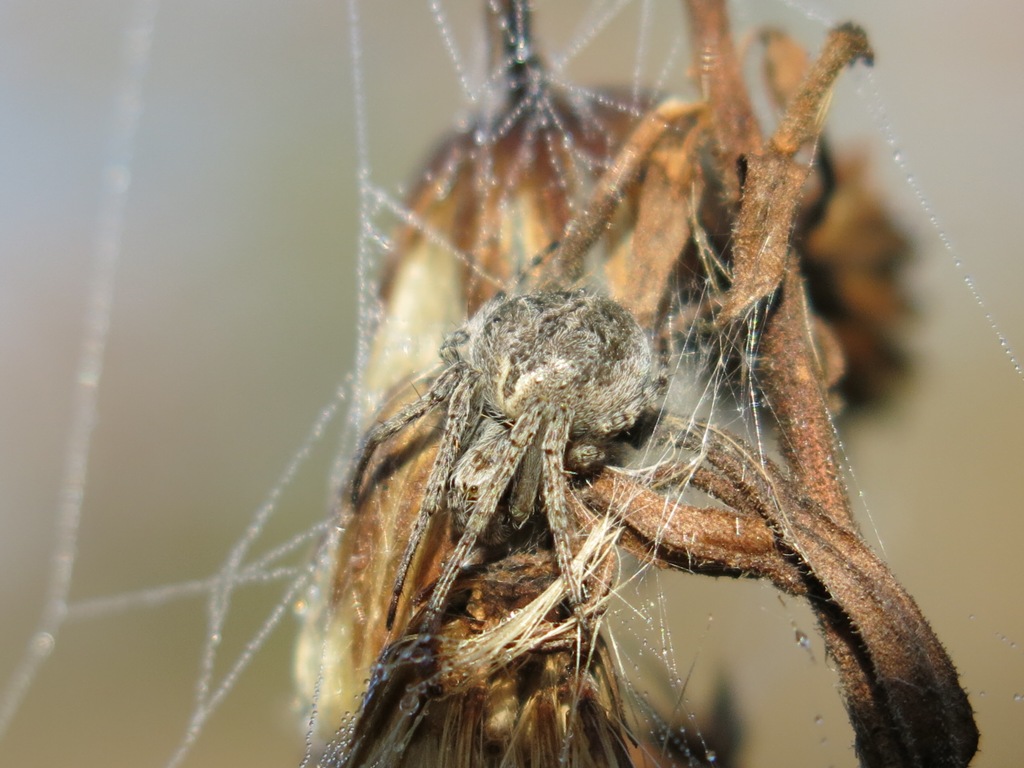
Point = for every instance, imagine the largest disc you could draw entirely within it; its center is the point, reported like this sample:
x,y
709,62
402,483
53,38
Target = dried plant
x,y
481,541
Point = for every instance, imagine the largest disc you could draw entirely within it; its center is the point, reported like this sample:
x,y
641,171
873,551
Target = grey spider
x,y
536,385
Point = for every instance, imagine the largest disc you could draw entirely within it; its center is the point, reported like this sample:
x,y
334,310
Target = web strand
x,y
115,185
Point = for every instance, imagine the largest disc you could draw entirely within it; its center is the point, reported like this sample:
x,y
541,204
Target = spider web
x,y
234,317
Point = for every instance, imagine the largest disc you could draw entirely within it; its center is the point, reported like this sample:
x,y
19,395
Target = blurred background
x,y
235,321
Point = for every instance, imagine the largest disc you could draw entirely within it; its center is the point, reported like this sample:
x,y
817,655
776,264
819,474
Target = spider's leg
x,y
439,391
457,425
507,455
555,492
526,484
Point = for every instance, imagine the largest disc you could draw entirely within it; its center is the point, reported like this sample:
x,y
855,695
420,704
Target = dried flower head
x,y
496,656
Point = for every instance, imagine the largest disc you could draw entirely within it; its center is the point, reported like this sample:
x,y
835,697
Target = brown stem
x,y
806,109
906,694
707,540
791,377
900,688
736,131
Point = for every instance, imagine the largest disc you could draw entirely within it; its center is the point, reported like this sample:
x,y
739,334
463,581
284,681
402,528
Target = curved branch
x,y
900,688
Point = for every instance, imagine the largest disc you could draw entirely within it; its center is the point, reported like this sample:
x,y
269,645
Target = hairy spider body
x,y
535,385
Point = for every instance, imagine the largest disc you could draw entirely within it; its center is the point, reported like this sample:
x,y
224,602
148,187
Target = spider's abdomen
x,y
574,350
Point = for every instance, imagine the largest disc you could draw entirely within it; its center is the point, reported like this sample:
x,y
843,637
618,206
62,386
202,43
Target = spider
x,y
536,386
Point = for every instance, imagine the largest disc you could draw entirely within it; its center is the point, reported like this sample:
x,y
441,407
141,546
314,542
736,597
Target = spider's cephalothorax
x,y
534,384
